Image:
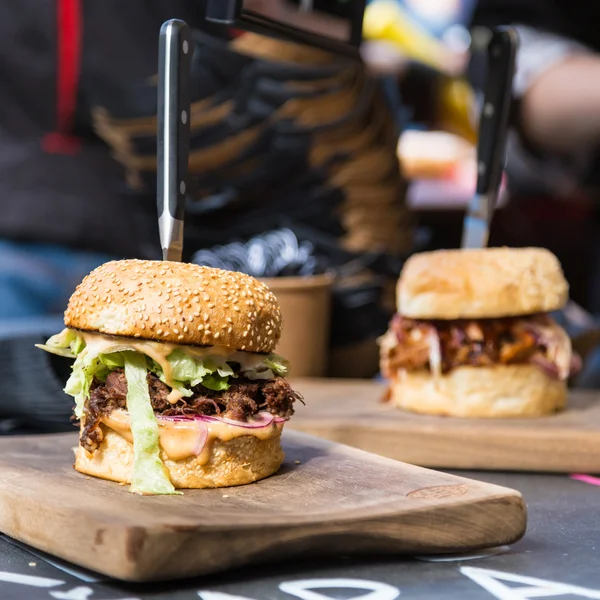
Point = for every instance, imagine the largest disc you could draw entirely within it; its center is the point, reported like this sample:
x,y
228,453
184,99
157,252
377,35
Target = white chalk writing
x,y
304,589
31,580
533,587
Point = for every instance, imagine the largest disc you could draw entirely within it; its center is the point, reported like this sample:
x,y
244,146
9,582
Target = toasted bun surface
x,y
177,302
500,391
235,462
487,283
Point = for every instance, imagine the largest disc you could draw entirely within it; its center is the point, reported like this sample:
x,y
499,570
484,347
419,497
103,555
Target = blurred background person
x,y
283,135
556,86
64,205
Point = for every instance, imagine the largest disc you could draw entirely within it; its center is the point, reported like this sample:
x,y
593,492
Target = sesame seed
x,y
200,327
217,334
159,332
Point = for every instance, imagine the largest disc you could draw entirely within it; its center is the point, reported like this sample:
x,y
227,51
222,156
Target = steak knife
x,y
173,133
493,125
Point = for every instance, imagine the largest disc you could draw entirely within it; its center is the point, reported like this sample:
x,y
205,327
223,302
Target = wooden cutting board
x,y
328,499
351,412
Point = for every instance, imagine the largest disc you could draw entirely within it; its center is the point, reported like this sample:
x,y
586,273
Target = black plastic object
x,y
234,14
276,253
296,250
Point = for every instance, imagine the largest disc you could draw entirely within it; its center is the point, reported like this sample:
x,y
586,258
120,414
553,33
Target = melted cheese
x,y
182,439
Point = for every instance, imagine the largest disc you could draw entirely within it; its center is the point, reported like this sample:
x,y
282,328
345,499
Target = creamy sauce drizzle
x,y
98,343
182,439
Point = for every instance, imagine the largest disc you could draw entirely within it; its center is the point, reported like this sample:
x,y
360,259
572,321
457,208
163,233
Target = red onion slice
x,y
265,419
547,366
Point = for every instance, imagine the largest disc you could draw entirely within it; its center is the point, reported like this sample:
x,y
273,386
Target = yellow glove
x,y
386,20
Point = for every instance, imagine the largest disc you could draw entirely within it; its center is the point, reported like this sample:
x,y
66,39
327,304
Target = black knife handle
x,y
493,122
174,66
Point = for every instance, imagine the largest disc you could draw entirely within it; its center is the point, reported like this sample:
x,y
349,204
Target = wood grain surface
x,y
328,499
352,412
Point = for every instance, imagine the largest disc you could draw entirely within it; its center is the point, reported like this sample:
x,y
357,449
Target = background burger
x,y
472,336
175,381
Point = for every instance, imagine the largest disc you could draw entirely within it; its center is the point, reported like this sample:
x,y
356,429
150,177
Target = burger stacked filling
x,y
441,346
156,382
242,400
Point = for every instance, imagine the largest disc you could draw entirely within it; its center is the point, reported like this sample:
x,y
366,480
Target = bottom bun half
x,y
494,392
238,461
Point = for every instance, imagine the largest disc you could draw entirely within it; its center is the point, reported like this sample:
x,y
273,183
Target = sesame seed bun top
x,y
481,283
177,302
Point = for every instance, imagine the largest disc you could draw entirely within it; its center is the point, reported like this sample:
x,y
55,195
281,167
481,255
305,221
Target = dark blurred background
x,y
304,163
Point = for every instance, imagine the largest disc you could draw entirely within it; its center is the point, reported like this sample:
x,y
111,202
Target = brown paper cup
x,y
306,308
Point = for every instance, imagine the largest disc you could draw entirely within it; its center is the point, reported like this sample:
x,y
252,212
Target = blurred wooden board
x,y
327,499
351,412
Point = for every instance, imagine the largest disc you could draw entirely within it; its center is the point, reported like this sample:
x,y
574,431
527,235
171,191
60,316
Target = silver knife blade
x,y
171,236
476,229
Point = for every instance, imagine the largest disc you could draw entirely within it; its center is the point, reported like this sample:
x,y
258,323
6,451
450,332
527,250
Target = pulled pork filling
x,y
243,399
440,346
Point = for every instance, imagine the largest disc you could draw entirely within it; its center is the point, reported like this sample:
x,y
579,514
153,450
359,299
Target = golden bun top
x,y
177,302
481,283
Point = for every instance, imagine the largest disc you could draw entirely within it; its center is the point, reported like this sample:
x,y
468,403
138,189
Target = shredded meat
x,y
243,399
481,342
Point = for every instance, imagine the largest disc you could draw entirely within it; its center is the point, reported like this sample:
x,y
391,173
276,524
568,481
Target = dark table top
x,y
561,547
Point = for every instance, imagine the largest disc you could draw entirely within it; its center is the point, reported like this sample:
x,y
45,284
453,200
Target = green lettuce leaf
x,y
216,382
112,361
271,366
185,369
149,474
78,385
67,343
188,372
277,364
189,368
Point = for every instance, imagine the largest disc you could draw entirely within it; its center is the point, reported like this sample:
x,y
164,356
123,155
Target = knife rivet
x,y
488,109
185,47
481,168
183,117
182,187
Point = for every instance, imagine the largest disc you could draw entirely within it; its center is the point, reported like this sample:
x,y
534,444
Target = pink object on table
x,y
586,479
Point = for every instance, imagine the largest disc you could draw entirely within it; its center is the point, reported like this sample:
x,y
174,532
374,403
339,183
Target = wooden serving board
x,y
351,412
328,499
